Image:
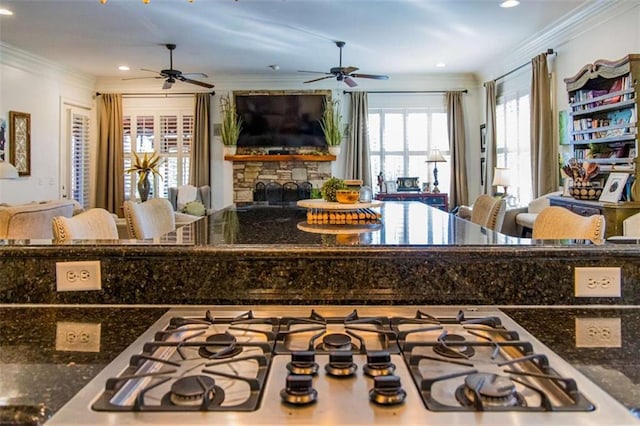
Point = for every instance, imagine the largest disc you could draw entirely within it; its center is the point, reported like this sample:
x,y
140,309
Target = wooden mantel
x,y
286,157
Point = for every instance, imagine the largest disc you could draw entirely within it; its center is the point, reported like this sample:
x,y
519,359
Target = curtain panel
x,y
490,122
544,163
457,140
358,165
199,163
110,167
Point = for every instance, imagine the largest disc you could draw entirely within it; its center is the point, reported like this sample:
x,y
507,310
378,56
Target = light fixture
x,y
5,12
502,177
509,3
8,171
441,65
123,68
435,157
274,67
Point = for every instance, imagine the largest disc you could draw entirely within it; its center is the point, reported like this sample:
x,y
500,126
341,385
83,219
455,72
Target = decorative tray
x,y
338,229
317,203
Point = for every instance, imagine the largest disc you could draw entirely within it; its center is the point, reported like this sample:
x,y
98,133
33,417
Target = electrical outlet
x,y
597,282
598,333
76,276
78,336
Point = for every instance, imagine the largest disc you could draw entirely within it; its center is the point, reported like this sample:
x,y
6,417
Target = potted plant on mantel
x,y
331,123
231,125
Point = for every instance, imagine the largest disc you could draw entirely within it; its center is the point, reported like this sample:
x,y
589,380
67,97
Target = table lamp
x,y
502,177
435,157
8,171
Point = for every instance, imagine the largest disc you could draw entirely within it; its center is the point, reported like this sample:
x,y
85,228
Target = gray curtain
x,y
458,193
358,165
110,170
199,164
544,164
491,150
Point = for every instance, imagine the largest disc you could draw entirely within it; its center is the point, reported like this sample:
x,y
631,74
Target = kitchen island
x,y
258,254
43,363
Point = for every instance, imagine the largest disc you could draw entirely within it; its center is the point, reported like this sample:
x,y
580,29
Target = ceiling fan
x,y
171,75
345,74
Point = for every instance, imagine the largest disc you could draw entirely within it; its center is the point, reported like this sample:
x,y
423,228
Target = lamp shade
x,y
7,171
435,156
501,177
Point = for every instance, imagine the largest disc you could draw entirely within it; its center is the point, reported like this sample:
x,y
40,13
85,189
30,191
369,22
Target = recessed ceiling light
x,y
6,12
123,68
509,3
274,67
441,65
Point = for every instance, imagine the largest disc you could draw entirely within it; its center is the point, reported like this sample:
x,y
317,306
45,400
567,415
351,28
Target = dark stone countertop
x,y
36,369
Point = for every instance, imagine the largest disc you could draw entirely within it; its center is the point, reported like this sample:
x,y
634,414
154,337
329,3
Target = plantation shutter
x,y
80,158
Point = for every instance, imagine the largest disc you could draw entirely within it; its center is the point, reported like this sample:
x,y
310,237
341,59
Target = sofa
x,y
33,221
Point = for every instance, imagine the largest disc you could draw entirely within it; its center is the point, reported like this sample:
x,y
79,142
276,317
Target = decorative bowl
x,y
347,196
585,191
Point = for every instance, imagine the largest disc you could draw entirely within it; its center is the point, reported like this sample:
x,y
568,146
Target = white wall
x,y
31,85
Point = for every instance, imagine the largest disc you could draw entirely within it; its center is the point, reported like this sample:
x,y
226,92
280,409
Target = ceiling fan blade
x,y
318,79
315,72
349,81
167,84
373,76
349,70
141,78
195,74
153,71
198,83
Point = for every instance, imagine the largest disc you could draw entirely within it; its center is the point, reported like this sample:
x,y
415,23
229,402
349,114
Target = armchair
x,y
179,196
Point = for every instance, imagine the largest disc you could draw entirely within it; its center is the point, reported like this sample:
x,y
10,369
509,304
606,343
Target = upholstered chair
x,y
92,224
179,196
631,226
489,212
151,219
558,223
526,219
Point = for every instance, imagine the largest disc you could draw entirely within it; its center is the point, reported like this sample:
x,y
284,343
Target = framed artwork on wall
x,y
483,137
3,139
614,187
483,170
20,142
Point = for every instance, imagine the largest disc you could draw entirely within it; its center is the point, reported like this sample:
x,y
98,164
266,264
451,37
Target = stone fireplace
x,y
247,172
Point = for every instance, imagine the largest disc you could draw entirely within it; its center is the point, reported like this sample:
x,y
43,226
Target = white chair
x,y
631,226
182,195
526,219
151,219
558,223
93,224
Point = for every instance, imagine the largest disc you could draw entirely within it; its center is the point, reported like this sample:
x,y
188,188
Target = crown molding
x,y
20,59
565,29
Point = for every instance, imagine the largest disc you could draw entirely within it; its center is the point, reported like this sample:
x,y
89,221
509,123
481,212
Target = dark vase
x,y
144,187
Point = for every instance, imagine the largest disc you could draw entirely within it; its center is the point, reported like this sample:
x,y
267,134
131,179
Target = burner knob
x,y
303,362
299,390
387,390
341,364
379,364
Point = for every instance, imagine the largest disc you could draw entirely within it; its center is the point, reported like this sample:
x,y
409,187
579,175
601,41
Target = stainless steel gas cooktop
x,y
340,365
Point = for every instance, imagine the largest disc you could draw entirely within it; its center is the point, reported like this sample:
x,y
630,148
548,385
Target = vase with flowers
x,y
145,166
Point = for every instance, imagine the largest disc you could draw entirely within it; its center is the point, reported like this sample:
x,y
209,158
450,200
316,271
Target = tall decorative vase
x,y
230,149
144,187
334,150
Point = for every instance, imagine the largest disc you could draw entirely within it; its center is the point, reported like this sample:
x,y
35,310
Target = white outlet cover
x,y
585,277
78,276
78,336
598,332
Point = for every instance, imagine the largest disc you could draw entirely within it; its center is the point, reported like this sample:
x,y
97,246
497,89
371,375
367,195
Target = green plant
x,y
231,123
330,187
331,122
145,165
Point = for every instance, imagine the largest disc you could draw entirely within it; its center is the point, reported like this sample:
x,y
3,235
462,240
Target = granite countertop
x,y
38,369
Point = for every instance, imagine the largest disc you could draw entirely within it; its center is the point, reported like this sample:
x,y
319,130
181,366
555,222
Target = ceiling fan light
x,y
145,1
509,3
103,1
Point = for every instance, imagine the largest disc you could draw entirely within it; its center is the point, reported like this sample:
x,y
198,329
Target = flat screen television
x,y
283,120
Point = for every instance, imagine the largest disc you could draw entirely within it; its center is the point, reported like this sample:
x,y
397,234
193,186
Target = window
x,y
77,152
512,135
400,140
168,133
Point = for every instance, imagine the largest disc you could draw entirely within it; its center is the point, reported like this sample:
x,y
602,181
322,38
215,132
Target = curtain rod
x,y
166,95
347,92
548,52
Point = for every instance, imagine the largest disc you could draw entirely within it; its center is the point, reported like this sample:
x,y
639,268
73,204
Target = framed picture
x,y
20,142
483,137
614,187
483,166
3,139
